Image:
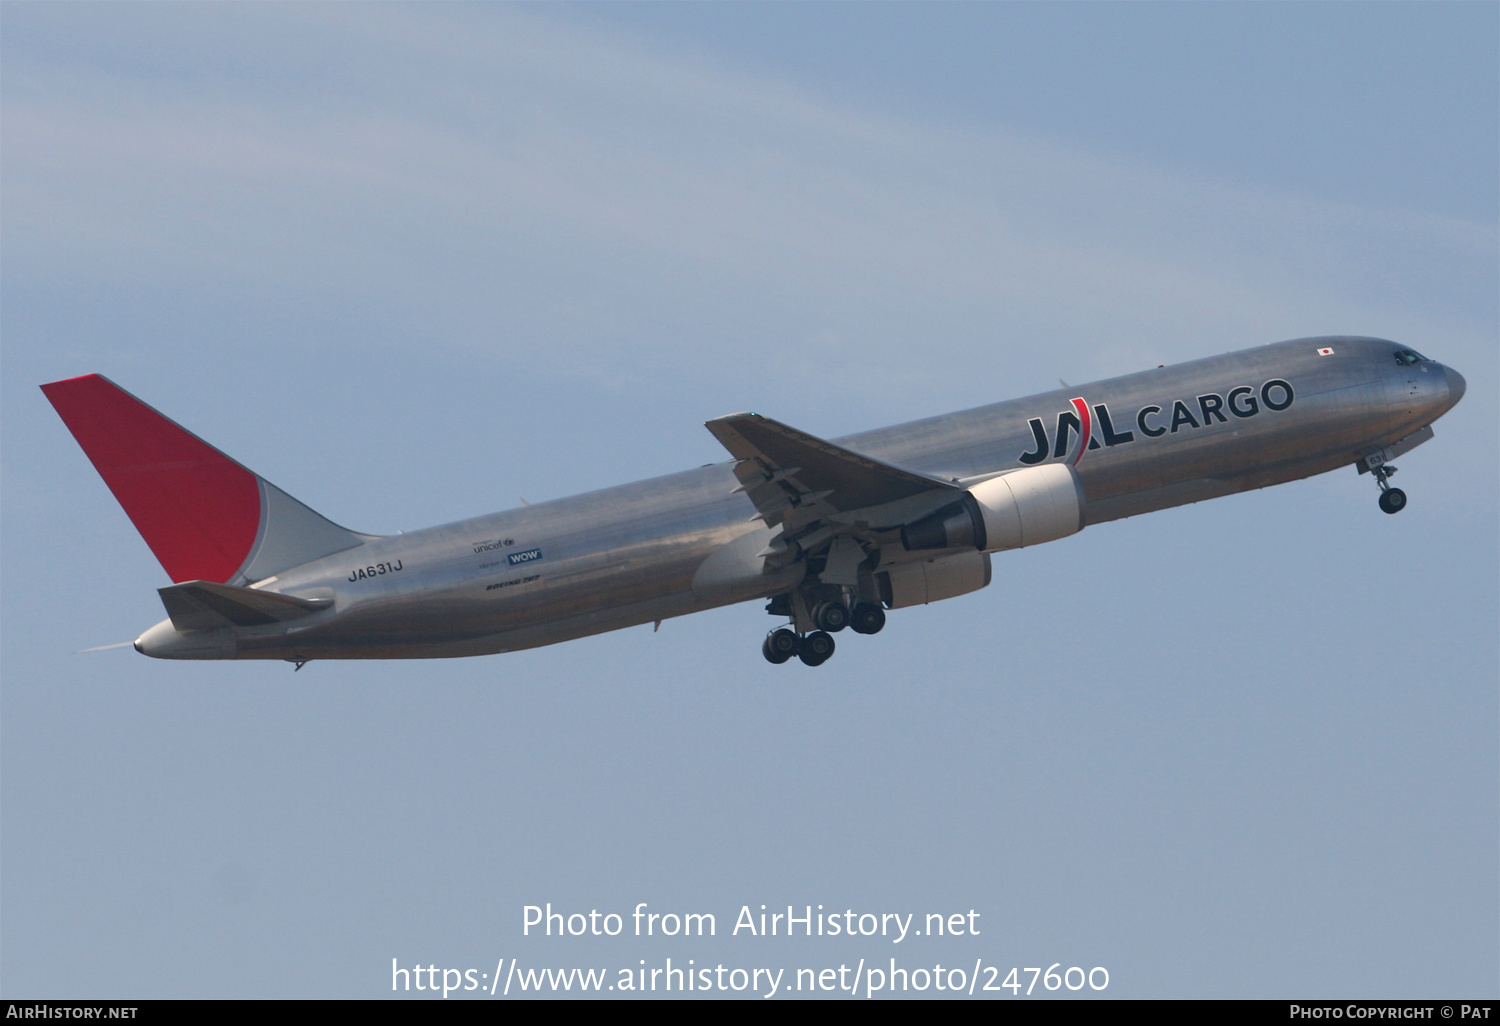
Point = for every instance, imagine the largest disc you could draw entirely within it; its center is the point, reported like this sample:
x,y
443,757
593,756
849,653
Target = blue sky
x,y
414,262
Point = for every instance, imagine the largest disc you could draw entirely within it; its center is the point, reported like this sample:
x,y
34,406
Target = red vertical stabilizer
x,y
198,510
206,517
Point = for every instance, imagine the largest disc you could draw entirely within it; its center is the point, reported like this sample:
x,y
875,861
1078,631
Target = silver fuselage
x,y
655,549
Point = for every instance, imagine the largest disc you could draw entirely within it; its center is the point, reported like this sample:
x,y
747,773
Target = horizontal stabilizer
x,y
781,466
205,605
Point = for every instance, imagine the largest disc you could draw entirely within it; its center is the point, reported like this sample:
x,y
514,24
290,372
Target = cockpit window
x,y
1408,357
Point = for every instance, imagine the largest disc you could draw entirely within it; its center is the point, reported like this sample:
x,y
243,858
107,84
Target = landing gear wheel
x,y
780,646
868,618
831,616
816,648
1392,500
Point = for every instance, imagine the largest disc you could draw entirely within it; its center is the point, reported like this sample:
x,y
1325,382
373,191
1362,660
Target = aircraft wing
x,y
794,478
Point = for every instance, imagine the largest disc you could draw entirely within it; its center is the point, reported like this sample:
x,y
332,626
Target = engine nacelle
x,y
1024,507
931,580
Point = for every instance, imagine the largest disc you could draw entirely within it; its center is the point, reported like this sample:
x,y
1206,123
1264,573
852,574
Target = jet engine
x,y
1011,511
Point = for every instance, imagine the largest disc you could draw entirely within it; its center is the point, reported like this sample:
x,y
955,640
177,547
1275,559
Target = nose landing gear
x,y
1392,500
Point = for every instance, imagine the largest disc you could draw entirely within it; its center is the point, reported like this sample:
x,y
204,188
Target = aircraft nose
x,y
1456,385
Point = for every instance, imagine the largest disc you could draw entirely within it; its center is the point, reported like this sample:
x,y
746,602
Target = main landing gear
x,y
813,649
1392,500
816,647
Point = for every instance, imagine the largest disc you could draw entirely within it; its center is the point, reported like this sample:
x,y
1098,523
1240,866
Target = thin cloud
x,y
526,177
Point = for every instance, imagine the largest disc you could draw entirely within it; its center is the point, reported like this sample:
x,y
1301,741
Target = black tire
x,y
816,648
1393,500
831,616
868,618
780,646
772,656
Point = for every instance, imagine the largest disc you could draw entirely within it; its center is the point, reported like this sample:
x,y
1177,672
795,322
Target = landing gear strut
x,y
1392,500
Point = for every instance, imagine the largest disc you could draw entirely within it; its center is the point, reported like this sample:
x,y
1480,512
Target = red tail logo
x,y
198,510
206,517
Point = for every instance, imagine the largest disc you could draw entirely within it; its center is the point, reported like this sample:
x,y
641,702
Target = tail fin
x,y
205,517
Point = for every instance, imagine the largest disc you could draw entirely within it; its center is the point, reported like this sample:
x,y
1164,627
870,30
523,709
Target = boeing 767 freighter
x,y
832,532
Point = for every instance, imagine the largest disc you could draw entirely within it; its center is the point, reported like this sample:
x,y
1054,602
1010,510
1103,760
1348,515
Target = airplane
x,y
831,533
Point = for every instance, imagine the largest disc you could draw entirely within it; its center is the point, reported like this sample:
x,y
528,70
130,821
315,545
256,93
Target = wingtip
x,y
729,417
